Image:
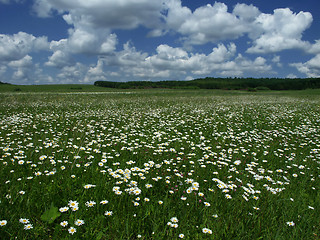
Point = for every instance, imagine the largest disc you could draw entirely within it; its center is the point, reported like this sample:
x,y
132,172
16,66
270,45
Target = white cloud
x,y
60,59
310,68
246,12
96,73
279,31
291,75
91,41
81,41
276,60
210,23
23,69
16,46
11,1
25,62
174,63
72,74
121,14
314,48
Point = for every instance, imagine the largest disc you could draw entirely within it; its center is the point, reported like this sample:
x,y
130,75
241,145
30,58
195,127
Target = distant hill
x,y
222,83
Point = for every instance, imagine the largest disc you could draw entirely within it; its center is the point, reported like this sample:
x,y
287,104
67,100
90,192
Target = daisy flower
x,y
103,202
108,213
174,220
73,203
64,223
72,230
24,220
63,209
181,235
207,230
90,204
28,226
88,186
3,223
174,225
291,224
78,222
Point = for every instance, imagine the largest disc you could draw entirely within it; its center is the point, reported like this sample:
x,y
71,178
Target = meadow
x,y
159,164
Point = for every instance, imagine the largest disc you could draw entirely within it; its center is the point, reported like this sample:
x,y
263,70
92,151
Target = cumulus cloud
x,y
80,41
210,23
95,73
314,48
310,68
60,59
91,41
72,74
22,63
23,68
16,46
93,21
124,14
279,31
174,63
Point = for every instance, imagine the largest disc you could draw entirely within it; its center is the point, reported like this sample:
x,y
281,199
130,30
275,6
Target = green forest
x,y
250,84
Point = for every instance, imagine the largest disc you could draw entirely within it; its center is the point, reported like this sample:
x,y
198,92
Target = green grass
x,y
254,159
52,88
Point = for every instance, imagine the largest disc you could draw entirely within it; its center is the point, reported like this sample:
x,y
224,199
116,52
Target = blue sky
x,y
81,41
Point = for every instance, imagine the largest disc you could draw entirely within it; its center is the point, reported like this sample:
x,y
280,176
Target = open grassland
x,y
160,165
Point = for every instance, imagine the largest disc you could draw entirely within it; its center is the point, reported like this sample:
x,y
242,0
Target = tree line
x,y
250,84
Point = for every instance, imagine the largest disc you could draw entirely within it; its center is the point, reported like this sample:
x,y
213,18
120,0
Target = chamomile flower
x,y
76,208
64,223
174,220
24,220
78,222
174,225
108,213
28,226
290,224
103,202
3,223
90,203
88,186
73,204
72,230
63,209
206,230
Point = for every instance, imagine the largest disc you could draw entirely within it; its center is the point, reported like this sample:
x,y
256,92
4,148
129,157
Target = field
x,y
159,164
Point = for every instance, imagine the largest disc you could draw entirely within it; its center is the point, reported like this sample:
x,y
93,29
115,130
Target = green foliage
x,y
50,214
221,83
57,148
